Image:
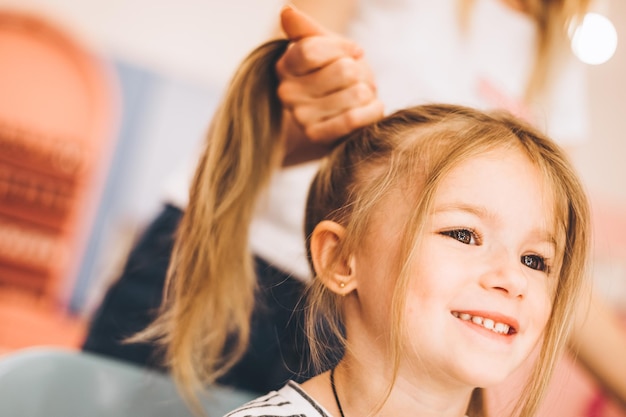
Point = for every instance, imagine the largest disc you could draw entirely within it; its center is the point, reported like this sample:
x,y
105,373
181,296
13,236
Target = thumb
x,y
298,25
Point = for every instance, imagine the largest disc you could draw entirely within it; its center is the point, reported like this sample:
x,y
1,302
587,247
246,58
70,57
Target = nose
x,y
505,273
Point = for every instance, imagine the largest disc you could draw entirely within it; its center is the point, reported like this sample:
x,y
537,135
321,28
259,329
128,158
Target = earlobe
x,y
343,281
336,272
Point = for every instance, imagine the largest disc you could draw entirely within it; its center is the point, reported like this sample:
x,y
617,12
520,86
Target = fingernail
x,y
289,6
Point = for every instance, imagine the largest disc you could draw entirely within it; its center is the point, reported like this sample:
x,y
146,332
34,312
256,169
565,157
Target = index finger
x,y
313,53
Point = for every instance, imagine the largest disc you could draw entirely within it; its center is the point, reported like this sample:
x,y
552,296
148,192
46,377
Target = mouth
x,y
487,323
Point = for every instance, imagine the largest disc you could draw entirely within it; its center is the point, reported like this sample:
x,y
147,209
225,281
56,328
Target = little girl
x,y
446,245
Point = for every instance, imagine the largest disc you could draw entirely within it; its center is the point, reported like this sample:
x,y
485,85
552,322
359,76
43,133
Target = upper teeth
x,y
489,324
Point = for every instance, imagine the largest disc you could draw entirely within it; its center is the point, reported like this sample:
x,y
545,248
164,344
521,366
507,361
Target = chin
x,y
487,377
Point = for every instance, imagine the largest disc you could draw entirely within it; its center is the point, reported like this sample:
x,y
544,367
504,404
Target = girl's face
x,y
481,286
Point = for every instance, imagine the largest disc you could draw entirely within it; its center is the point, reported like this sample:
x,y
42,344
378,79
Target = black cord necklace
x,y
332,385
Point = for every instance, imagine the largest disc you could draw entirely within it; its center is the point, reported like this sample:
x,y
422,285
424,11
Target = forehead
x,y
502,182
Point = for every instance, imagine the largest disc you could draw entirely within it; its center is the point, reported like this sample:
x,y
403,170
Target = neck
x,y
362,387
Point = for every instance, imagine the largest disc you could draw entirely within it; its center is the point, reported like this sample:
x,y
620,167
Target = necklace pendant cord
x,y
332,385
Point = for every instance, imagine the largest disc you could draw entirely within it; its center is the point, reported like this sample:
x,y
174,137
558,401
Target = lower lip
x,y
501,338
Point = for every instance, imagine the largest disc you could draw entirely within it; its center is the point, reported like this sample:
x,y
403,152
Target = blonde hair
x,y
205,319
420,145
204,322
553,20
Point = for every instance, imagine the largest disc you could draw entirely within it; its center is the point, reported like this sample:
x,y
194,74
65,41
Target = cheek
x,y
438,270
433,283
541,297
375,291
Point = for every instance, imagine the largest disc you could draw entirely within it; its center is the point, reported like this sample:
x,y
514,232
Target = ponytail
x,y
204,323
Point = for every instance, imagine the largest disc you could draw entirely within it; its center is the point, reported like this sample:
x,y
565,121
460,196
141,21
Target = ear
x,y
337,273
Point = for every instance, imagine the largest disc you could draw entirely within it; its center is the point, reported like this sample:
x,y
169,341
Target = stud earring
x,y
342,284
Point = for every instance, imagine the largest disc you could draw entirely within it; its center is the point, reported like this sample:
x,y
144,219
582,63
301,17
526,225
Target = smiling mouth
x,y
489,324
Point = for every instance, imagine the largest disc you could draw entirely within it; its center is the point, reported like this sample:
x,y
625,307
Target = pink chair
x,y
58,119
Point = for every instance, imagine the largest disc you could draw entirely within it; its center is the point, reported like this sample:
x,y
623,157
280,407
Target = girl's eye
x,y
535,262
462,235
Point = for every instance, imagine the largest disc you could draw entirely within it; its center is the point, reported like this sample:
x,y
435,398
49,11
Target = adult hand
x,y
325,82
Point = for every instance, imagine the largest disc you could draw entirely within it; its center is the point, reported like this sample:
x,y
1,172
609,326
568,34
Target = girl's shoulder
x,y
289,401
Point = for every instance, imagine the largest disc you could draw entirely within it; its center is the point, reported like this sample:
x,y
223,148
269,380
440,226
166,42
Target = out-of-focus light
x,y
594,41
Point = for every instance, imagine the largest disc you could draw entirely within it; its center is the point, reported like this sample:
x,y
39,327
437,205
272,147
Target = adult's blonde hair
x,y
204,324
553,20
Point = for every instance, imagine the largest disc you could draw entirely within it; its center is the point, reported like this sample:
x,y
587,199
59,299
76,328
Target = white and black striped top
x,y
289,401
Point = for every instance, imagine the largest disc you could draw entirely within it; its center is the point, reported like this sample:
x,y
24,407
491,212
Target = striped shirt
x,y
289,401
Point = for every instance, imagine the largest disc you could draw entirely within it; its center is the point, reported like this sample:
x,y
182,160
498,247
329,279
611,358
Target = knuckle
x,y
351,120
279,67
287,62
362,93
374,112
347,70
310,50
313,133
300,114
284,92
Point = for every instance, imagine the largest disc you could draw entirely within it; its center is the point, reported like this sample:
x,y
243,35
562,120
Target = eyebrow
x,y
483,213
472,209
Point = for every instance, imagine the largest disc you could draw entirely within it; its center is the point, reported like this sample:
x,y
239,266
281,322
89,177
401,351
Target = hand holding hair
x,y
325,83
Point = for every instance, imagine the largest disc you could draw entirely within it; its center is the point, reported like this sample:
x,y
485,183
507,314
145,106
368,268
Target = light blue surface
x,y
50,382
163,123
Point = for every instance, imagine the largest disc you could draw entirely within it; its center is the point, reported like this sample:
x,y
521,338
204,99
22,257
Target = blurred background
x,y
102,100
120,93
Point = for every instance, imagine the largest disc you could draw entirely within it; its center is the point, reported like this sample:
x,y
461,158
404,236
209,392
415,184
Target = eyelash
x,y
545,267
476,239
473,235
